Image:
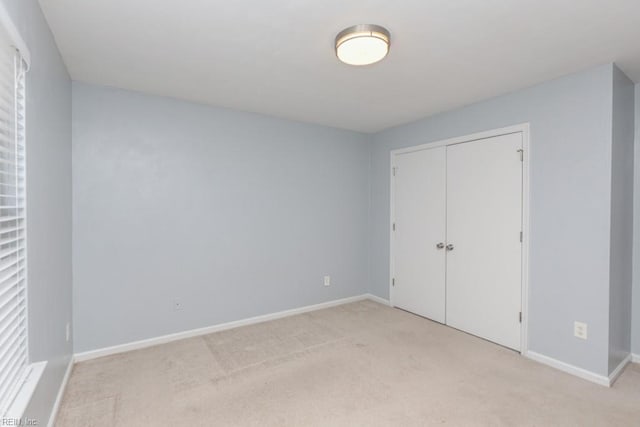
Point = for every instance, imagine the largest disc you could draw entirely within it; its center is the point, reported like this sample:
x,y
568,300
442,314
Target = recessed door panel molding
x,y
418,232
484,222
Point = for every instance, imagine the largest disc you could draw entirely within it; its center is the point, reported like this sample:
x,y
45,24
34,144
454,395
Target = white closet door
x,y
420,219
484,220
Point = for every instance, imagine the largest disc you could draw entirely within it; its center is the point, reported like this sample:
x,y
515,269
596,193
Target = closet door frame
x,y
522,128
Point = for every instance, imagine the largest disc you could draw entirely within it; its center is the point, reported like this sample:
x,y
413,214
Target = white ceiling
x,y
276,56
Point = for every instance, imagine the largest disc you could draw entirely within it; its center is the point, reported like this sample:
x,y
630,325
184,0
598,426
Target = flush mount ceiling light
x,y
362,44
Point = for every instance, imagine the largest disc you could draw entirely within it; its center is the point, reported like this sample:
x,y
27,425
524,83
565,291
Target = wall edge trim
x,y
61,390
163,339
379,300
568,368
613,376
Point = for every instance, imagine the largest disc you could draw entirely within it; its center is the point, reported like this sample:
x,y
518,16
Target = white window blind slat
x,y
10,218
14,367
8,309
11,298
11,316
8,340
10,229
9,151
9,240
7,291
10,368
9,251
10,271
13,291
11,162
10,263
12,174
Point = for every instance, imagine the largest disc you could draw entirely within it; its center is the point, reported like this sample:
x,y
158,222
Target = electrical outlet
x,y
327,280
580,330
68,331
177,305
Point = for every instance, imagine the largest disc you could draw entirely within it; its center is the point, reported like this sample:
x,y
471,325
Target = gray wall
x,y
621,258
635,329
49,203
234,214
570,204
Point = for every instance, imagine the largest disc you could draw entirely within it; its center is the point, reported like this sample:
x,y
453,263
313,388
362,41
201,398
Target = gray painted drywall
x,y
570,204
621,258
48,110
635,328
233,214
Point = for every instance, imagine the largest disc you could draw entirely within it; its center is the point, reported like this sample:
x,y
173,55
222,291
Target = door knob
x,y
449,247
440,245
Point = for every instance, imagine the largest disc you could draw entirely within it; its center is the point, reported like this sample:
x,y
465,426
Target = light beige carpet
x,y
361,364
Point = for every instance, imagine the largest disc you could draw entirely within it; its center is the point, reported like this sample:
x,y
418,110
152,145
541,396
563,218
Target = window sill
x,y
19,405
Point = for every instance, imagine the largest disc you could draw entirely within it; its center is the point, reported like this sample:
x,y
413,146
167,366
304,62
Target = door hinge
x,y
394,226
393,281
520,317
394,170
521,237
521,151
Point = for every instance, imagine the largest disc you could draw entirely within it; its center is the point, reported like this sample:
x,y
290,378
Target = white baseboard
x,y
613,376
579,372
635,358
378,299
63,387
136,345
570,369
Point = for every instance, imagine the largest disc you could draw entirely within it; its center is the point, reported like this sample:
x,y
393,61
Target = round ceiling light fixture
x,y
362,44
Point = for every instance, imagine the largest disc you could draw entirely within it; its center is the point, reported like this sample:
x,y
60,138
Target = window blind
x,y
13,292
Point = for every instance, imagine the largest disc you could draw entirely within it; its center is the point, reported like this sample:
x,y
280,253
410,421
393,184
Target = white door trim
x,y
519,128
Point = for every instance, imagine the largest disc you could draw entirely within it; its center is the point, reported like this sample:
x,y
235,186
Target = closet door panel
x,y
484,220
420,224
